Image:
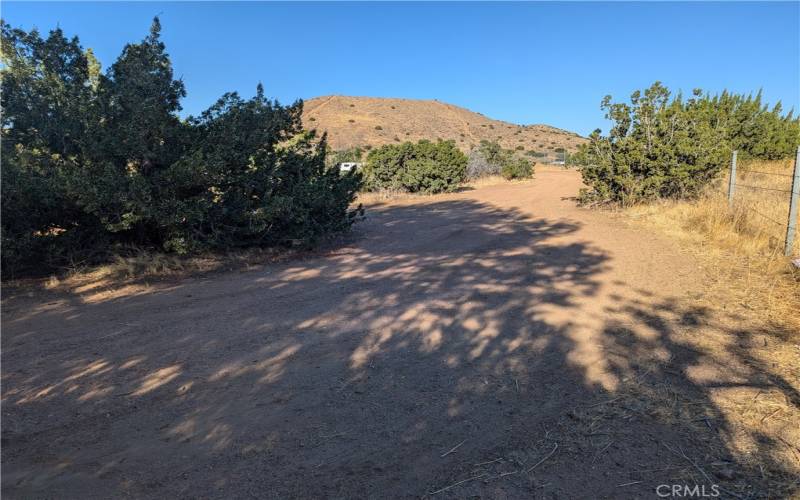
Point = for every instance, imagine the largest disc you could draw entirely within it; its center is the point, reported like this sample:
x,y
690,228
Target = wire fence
x,y
771,195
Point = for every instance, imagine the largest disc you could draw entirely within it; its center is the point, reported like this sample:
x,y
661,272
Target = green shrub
x,y
517,168
658,147
663,146
425,175
429,167
93,162
378,127
492,152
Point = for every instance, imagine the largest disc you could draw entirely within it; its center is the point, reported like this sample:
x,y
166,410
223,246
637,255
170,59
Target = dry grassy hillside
x,y
361,121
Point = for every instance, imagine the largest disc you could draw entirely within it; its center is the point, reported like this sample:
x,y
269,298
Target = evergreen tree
x,y
138,135
46,113
93,161
141,100
660,146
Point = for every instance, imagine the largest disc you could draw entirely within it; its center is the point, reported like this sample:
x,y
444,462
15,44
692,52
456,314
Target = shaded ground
x,y
497,343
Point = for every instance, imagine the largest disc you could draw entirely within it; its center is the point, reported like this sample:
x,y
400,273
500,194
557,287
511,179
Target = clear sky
x,y
521,62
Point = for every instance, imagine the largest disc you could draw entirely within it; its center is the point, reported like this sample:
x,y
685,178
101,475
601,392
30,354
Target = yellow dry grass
x,y
744,244
125,274
372,197
361,121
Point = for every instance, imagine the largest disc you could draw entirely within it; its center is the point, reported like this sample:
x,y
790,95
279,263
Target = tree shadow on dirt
x,y
453,350
714,383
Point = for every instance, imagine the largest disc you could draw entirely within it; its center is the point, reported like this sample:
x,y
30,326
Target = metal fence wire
x,y
791,195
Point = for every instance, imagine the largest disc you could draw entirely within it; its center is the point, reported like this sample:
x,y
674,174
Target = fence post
x,y
732,181
792,225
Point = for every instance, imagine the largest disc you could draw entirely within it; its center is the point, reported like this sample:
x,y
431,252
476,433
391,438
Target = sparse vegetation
x,y
491,159
535,154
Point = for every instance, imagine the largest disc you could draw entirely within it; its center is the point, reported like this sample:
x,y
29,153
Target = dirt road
x,y
495,343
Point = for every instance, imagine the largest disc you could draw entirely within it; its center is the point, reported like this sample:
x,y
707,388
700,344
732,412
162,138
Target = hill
x,y
372,121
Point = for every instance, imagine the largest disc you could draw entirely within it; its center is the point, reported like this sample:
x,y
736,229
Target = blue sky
x,y
546,62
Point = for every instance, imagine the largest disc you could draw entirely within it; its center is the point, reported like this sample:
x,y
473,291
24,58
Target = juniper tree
x,y
660,146
93,161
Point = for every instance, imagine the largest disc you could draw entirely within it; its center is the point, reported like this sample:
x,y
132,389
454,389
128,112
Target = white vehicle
x,y
348,166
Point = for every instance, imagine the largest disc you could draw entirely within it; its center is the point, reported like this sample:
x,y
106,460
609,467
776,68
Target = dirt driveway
x,y
496,343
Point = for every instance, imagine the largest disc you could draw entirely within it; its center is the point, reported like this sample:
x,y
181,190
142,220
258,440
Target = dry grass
x,y
493,180
750,280
488,180
139,267
754,290
744,245
361,121
373,197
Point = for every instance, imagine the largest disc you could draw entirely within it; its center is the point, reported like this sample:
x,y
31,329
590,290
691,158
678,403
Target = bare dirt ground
x,y
495,343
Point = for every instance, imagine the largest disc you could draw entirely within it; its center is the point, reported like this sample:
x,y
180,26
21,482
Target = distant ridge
x,y
375,121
